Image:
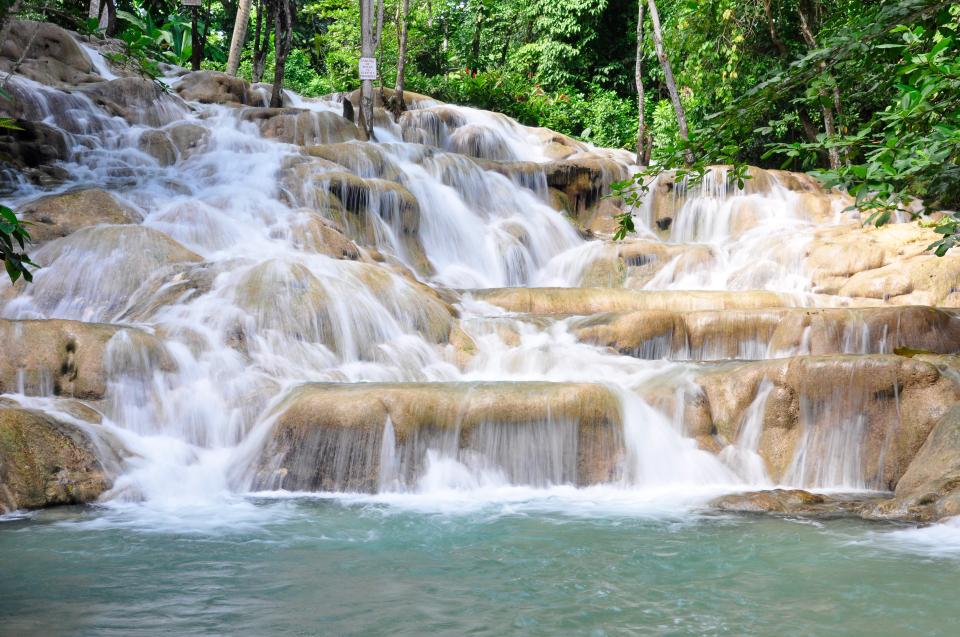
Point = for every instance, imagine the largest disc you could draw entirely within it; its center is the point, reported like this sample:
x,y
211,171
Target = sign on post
x,y
368,68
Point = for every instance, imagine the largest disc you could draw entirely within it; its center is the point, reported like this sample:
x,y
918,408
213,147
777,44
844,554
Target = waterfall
x,y
293,308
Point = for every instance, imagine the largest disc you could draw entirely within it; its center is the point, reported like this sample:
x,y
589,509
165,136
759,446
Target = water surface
x,y
541,566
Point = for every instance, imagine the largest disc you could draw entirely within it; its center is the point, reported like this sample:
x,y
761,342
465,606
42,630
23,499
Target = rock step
x,y
816,420
588,301
356,437
751,334
72,358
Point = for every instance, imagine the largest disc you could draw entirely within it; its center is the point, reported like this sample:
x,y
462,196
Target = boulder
x,y
332,436
187,137
159,146
45,461
70,358
54,58
792,502
214,87
31,150
101,269
56,216
137,100
315,233
930,488
302,127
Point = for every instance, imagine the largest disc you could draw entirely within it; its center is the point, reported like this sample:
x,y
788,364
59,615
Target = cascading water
x,y
278,253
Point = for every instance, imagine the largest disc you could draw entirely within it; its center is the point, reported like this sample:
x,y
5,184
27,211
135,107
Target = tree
x,y
399,102
829,128
371,28
668,77
261,40
282,39
643,157
239,35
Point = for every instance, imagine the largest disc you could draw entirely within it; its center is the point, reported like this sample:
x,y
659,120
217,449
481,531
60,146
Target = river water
x,y
558,564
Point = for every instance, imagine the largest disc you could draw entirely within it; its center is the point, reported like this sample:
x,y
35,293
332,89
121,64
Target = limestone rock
x,y
187,137
930,488
137,100
30,151
76,286
880,407
330,436
70,358
159,146
773,332
56,216
54,59
791,502
585,301
45,462
302,127
214,87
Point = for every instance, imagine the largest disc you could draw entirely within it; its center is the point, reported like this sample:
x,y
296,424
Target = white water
x,y
255,311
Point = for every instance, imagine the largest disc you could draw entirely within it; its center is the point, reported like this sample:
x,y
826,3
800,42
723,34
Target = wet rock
x,y
137,100
321,235
68,358
46,462
56,216
773,332
330,436
930,488
158,145
187,137
73,282
54,59
383,96
791,502
833,419
30,151
301,127
214,87
585,301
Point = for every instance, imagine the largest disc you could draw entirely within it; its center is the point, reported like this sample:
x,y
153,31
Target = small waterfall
x,y
742,455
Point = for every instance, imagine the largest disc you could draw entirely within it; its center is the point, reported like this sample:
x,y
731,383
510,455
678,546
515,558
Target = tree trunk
x,y
777,42
668,76
400,104
828,123
261,41
97,10
638,77
477,32
111,18
239,35
368,46
282,36
194,39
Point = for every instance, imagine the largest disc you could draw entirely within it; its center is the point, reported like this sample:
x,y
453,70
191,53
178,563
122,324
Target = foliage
x,y
13,239
13,233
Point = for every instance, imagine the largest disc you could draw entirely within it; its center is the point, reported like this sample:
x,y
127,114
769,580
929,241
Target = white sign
x,y
368,68
190,3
